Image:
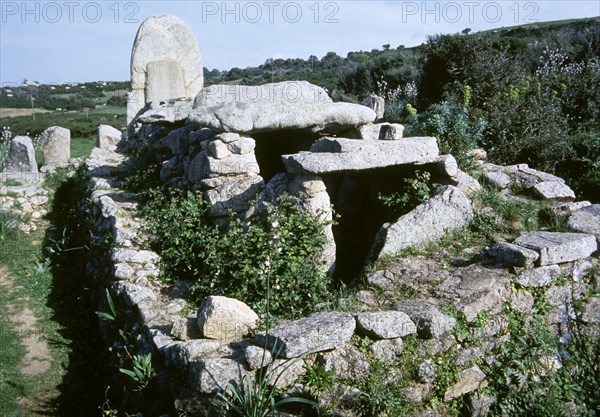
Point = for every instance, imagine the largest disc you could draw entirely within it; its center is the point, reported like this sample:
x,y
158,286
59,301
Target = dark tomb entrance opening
x,y
361,213
271,145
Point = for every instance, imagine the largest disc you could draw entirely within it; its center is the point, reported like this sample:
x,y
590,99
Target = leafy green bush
x,y
270,262
456,130
417,189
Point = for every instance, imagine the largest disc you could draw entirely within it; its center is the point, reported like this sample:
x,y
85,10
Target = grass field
x,y
83,125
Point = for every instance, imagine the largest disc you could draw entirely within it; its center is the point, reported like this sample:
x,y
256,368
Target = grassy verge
x,y
52,285
28,283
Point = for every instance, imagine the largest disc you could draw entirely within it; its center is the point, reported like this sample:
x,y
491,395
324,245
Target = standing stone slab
x,y
56,146
447,211
165,63
555,247
586,220
316,333
21,155
108,137
385,324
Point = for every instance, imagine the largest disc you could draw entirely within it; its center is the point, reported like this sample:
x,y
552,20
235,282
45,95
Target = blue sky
x,y
74,41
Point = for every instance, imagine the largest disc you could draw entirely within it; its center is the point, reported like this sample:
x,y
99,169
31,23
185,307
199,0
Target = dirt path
x,y
38,358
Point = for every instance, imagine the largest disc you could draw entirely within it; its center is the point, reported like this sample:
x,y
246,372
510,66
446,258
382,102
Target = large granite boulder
x,y
586,220
449,210
316,333
56,146
286,91
21,155
165,63
270,116
226,318
555,247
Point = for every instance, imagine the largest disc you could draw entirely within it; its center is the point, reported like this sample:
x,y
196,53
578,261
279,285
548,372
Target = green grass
x,y
83,127
55,289
82,147
81,124
32,282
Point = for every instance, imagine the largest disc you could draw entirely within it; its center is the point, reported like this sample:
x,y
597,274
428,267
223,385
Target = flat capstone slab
x,y
335,155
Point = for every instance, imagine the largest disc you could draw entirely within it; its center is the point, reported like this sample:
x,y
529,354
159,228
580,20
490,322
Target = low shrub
x,y
270,261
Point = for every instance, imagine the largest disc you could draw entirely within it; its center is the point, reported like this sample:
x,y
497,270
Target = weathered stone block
x,y
385,324
316,333
226,318
555,247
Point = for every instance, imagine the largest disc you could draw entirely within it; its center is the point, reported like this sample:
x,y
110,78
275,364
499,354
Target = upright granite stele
x,y
165,64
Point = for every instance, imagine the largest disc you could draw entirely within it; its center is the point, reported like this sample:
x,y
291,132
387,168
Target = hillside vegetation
x,y
527,94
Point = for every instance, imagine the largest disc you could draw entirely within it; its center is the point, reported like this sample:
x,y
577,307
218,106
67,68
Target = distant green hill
x,y
359,72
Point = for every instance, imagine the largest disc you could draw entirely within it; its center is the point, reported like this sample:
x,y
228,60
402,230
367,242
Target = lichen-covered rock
x,y
538,277
205,166
283,373
233,196
385,324
108,137
562,210
387,349
131,293
554,190
56,146
315,333
286,91
347,363
257,357
449,210
376,103
226,318
514,255
431,323
21,155
555,247
212,375
471,380
258,117
586,220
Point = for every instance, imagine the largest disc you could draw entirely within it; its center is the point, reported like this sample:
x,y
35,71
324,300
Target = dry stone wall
x,y
208,141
